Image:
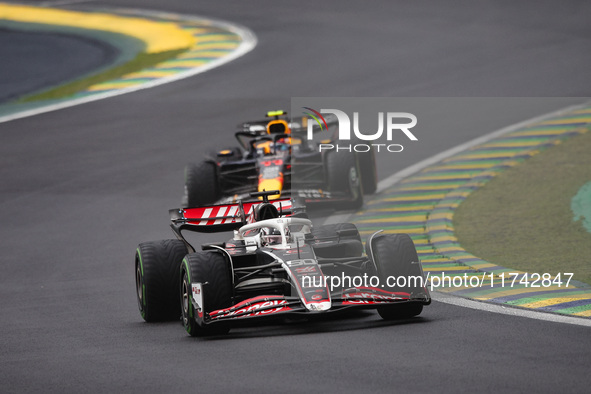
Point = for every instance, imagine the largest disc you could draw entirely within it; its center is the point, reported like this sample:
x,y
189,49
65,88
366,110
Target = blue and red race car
x,y
275,154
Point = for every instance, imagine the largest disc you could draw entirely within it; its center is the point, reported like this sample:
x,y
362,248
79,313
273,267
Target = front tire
x,y
211,269
395,255
156,279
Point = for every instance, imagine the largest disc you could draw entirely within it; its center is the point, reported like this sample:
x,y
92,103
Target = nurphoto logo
x,y
397,124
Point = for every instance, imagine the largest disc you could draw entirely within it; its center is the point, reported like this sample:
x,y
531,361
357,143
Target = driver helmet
x,y
270,236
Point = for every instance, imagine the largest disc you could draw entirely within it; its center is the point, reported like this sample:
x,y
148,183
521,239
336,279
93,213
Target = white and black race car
x,y
276,263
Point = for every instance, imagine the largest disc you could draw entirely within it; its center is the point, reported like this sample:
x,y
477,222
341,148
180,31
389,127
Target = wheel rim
x,y
354,182
139,287
185,299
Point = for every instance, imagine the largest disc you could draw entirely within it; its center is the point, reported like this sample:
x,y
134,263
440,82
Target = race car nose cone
x,y
318,306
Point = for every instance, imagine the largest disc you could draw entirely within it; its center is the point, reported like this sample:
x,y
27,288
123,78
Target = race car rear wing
x,y
223,217
297,124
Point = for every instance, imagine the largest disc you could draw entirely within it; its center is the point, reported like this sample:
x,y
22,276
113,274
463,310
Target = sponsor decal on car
x,y
197,292
369,296
253,307
227,213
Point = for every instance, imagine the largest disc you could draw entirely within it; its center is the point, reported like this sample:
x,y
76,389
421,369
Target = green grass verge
x,y
522,218
140,62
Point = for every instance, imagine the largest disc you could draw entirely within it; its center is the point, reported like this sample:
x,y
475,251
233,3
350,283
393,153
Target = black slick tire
x,y
157,278
201,184
394,255
343,176
211,269
369,174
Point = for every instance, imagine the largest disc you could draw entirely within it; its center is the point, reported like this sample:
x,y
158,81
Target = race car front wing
x,y
268,305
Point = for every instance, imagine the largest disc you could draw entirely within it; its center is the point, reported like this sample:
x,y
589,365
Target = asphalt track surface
x,y
81,187
25,67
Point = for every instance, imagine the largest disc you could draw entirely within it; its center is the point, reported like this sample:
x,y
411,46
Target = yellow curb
x,y
205,53
443,215
552,132
444,238
582,111
445,269
198,30
554,301
438,187
440,177
183,63
511,144
440,227
216,45
519,290
401,231
401,209
111,85
470,166
440,260
394,219
219,37
149,74
489,155
157,36
415,198
579,119
450,249
583,313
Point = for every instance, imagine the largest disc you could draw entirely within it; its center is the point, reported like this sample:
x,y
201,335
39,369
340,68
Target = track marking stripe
x,y
209,42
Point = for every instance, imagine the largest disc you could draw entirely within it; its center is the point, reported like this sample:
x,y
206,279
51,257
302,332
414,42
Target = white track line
x,y
509,310
249,41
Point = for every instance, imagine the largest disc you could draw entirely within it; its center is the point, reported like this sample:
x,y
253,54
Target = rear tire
x,y
394,255
201,184
157,278
211,269
343,176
